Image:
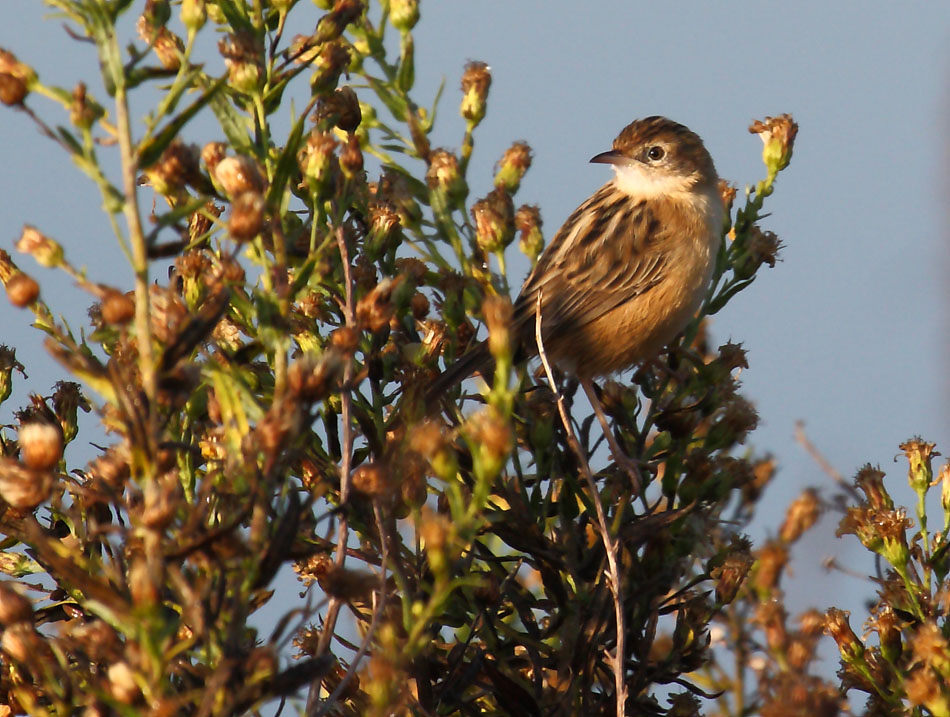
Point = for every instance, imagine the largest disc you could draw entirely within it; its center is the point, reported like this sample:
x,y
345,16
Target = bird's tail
x,y
475,359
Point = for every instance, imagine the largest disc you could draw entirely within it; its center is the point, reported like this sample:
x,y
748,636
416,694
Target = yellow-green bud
x,y
194,14
45,250
404,14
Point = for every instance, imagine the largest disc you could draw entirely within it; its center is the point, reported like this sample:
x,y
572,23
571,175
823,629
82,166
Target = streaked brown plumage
x,y
630,267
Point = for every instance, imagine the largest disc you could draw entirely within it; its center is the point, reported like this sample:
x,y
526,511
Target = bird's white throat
x,y
642,182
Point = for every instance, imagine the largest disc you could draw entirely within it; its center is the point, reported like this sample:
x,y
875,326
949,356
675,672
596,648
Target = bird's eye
x,y
655,153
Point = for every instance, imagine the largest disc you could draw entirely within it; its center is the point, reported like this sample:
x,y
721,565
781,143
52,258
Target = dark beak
x,y
610,157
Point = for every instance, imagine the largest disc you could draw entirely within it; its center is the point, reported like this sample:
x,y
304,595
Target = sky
x,y
848,333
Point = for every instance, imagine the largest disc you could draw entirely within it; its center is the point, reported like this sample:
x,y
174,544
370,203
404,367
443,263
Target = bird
x,y
630,266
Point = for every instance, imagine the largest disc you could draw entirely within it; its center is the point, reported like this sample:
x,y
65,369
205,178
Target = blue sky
x,y
848,332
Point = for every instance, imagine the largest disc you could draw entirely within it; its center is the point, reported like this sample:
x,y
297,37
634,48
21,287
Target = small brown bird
x,y
629,268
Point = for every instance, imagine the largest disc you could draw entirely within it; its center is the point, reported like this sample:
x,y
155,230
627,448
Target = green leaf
x,y
723,298
286,162
396,105
232,123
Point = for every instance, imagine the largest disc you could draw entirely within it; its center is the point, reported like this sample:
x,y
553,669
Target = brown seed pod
x,y
117,308
22,290
41,445
22,488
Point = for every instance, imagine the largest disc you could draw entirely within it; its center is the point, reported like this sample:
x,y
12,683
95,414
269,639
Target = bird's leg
x,y
622,459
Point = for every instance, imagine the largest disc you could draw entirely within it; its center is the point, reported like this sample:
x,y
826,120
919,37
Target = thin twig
x,y
380,605
822,462
610,544
343,530
621,458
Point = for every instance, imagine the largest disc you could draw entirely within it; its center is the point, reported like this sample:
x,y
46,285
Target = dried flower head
x,y
314,378
528,223
177,167
445,175
735,566
374,310
14,607
16,79
351,158
727,193
800,516
778,137
920,455
243,56
498,315
372,480
247,216
476,81
46,251
167,45
329,64
318,162
513,165
22,487
494,221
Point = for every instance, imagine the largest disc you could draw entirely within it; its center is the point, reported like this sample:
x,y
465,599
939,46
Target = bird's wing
x,y
603,256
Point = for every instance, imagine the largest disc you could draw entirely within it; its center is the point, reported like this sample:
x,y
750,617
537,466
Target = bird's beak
x,y
610,157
